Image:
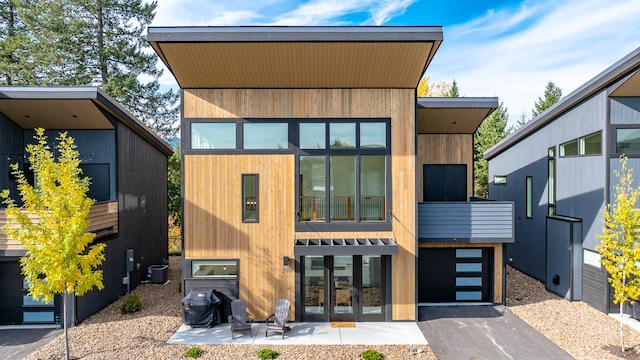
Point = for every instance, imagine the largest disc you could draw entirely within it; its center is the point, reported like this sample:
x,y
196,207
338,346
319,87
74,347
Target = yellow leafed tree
x,y
441,89
51,224
619,249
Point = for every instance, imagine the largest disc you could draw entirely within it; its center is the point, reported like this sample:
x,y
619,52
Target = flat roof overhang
x,y
362,246
70,108
272,57
457,115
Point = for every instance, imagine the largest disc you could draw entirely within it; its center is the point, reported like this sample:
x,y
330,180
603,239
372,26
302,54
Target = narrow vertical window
x,y
249,197
552,181
529,197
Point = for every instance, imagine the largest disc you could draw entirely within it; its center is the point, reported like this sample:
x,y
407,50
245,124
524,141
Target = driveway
x,y
483,332
18,343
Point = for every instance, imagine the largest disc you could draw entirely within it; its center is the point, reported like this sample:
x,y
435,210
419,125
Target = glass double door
x,y
343,288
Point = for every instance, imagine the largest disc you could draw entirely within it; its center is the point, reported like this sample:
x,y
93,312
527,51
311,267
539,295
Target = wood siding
x,y
478,221
212,218
445,149
498,274
102,216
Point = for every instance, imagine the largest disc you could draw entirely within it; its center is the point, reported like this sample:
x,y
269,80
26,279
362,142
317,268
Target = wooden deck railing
x,y
312,208
103,216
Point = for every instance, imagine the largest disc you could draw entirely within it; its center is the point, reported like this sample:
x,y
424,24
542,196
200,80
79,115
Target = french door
x,y
344,288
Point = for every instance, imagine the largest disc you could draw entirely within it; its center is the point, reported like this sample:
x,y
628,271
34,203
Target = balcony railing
x,y
475,221
103,216
372,208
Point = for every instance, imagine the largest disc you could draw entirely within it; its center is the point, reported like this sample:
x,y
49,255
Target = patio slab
x,y
303,333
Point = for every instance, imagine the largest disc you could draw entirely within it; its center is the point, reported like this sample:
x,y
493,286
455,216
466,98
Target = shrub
x,y
179,286
194,352
371,354
267,354
131,305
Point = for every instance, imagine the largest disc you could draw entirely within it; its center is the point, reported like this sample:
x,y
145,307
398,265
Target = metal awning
x,y
363,246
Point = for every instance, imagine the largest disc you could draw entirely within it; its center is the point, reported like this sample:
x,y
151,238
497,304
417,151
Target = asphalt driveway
x,y
18,343
483,332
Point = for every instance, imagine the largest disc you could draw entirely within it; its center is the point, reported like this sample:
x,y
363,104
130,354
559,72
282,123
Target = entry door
x,y
444,182
346,288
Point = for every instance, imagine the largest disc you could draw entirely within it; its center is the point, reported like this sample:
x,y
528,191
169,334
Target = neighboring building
x,y
559,169
127,164
303,151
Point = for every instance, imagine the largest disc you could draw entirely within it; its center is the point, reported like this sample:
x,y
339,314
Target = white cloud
x,y
513,53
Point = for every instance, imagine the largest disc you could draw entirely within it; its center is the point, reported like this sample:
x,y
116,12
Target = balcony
x,y
372,208
466,222
103,216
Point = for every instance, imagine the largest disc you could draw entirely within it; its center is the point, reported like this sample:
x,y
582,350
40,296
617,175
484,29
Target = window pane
x,y
37,316
628,141
569,149
552,182
552,152
314,284
468,281
312,136
529,197
468,295
343,135
373,135
468,253
468,267
591,145
372,284
213,136
343,187
28,300
250,197
312,188
499,180
372,188
266,136
214,268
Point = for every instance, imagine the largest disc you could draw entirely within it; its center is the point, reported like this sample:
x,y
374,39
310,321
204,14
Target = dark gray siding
x,y
482,221
564,257
142,222
594,287
580,184
11,152
625,111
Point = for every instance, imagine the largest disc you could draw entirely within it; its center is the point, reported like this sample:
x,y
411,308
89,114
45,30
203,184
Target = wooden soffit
x,y
453,115
54,114
630,86
296,57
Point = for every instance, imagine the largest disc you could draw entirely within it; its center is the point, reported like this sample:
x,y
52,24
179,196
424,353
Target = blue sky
x,y
504,48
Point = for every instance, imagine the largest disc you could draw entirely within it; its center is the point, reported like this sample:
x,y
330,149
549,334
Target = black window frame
x,y
245,203
529,197
613,140
551,180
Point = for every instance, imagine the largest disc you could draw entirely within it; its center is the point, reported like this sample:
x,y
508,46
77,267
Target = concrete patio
x,y
364,333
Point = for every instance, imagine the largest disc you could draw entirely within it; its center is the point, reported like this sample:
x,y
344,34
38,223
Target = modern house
x,y
559,170
127,164
303,152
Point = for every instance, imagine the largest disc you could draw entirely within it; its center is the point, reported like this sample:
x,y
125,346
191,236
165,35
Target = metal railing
x,y
313,208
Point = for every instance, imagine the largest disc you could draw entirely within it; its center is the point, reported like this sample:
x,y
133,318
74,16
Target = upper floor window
x,y
213,136
265,136
569,149
628,141
591,144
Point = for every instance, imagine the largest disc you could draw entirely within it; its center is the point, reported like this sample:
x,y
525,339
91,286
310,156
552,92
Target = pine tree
x,y
490,132
454,91
15,67
619,248
81,43
59,258
552,94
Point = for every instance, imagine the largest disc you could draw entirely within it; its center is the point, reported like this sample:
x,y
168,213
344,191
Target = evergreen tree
x,y
490,132
85,42
552,94
454,91
174,192
15,67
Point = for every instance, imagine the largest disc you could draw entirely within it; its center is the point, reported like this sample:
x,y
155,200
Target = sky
x,y
505,48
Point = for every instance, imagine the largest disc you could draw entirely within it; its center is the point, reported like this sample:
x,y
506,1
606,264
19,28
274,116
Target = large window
x,y
628,141
343,170
265,136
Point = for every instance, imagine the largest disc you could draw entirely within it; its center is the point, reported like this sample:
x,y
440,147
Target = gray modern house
x,y
559,170
127,164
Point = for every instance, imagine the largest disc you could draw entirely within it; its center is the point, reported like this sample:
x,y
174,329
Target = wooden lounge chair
x,y
239,319
277,322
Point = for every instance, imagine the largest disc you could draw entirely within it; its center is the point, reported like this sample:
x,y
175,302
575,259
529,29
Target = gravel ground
x,y
579,329
143,335
582,331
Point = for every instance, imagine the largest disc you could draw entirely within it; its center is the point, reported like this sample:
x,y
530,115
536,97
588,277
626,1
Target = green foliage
x,y
174,193
194,352
131,304
78,43
552,94
619,249
268,354
372,354
58,256
490,132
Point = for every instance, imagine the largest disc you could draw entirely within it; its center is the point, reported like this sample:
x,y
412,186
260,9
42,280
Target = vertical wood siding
x,y
212,218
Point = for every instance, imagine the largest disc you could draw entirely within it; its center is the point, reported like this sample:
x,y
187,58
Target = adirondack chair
x,y
277,322
239,319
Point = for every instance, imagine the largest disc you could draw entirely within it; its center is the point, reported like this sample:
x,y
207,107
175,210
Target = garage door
x,y
455,275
